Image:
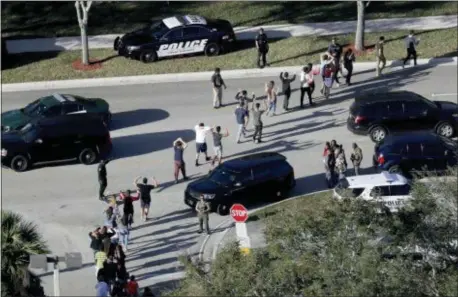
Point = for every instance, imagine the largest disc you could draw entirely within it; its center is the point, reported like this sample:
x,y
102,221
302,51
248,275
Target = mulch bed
x,y
93,65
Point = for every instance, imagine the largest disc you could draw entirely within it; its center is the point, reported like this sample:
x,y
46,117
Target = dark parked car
x,y
402,153
250,179
177,36
381,114
55,105
85,138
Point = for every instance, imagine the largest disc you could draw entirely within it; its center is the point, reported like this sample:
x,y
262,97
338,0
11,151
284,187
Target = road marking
x,y
202,247
443,94
217,245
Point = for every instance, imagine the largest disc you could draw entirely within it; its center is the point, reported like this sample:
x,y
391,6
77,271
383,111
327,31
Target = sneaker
x,y
185,178
208,232
197,163
176,181
207,158
200,232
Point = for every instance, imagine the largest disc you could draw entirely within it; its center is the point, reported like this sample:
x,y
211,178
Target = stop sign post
x,y
239,214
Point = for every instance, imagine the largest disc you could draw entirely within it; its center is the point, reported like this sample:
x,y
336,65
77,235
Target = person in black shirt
x,y
263,48
179,146
335,51
348,59
145,195
102,175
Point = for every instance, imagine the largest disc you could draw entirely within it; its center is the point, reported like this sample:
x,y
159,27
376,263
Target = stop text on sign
x,y
238,213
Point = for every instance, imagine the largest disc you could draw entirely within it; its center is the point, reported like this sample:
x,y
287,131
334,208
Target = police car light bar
x,y
195,19
388,176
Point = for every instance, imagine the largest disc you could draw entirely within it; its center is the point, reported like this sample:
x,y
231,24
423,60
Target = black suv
x,y
381,114
56,139
402,153
250,179
177,36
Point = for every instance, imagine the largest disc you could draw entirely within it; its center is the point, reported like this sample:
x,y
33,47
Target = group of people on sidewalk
x,y
335,161
110,242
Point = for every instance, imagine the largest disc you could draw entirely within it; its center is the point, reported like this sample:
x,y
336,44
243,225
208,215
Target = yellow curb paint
x,y
245,251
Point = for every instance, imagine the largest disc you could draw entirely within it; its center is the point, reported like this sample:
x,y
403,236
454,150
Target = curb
x,y
191,76
231,224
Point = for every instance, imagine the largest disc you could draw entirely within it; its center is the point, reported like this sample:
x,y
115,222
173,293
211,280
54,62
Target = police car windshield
x,y
158,29
223,177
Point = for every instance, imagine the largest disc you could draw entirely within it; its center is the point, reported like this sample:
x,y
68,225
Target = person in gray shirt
x,y
257,122
286,81
217,144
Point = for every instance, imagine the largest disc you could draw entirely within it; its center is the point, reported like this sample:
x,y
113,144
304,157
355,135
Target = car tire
x,y
87,156
395,169
445,130
148,57
377,134
116,43
19,163
212,50
223,209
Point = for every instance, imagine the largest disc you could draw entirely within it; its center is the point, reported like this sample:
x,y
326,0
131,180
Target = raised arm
x,y
281,76
136,180
293,78
155,183
226,134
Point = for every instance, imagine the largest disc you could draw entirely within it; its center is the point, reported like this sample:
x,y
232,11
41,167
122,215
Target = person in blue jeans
x,y
123,234
241,116
271,98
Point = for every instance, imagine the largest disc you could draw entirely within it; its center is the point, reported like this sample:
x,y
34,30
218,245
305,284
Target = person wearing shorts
x,y
144,191
217,144
201,144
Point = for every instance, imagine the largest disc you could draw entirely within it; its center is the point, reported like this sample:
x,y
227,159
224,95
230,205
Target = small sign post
x,y
240,215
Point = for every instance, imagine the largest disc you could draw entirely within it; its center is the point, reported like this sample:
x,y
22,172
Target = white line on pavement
x,y
443,94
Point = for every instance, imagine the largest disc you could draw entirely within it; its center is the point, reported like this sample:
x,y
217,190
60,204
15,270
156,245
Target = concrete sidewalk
x,y
394,65
247,33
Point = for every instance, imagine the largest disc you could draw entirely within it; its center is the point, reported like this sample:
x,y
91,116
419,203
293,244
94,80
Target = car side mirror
x,y
39,140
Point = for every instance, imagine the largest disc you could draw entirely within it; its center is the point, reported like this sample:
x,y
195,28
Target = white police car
x,y
177,36
391,189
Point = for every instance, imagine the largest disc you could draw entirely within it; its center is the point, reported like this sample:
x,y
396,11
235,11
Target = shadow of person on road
x,y
168,184
278,146
141,144
137,117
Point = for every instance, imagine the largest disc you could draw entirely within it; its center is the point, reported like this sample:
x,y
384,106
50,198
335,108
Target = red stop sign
x,y
239,213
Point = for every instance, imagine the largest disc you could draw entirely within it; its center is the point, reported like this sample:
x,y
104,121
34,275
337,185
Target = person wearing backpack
x,y
411,44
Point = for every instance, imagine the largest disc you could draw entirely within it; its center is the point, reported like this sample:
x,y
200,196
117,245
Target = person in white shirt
x,y
201,144
306,85
411,45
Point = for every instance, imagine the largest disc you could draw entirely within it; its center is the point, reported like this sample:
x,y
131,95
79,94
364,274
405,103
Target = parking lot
x,y
62,199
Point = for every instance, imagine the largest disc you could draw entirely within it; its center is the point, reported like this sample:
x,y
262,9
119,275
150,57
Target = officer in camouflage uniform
x,y
356,158
203,210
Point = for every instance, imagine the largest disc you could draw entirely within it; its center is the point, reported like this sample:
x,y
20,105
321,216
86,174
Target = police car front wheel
x,y
212,49
148,57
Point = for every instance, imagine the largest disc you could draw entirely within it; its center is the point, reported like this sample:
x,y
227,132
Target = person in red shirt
x,y
132,287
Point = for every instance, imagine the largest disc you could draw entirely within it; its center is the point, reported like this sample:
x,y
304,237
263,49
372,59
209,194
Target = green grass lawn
x,y
309,203
285,52
40,19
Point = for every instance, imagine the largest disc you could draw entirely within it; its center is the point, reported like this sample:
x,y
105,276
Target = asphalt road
x,y
62,199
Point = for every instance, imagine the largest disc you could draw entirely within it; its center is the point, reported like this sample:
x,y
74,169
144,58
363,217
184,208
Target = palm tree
x,y
20,239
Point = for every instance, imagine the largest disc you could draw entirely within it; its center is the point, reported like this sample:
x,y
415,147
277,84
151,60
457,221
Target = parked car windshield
x,y
223,176
34,108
